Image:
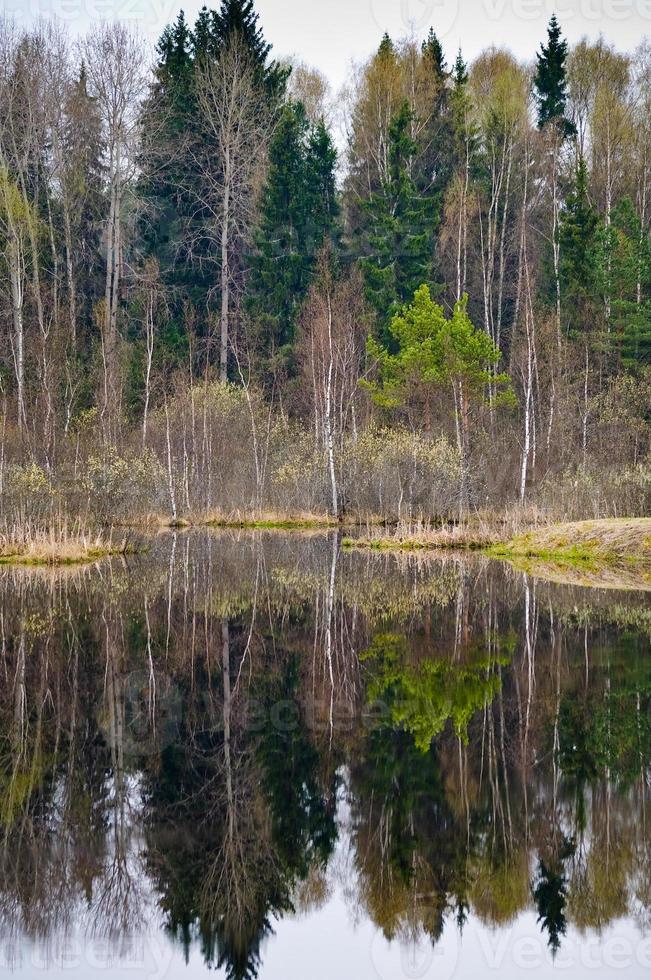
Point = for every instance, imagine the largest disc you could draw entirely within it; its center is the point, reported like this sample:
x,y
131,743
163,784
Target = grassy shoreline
x,y
264,521
581,545
52,549
617,542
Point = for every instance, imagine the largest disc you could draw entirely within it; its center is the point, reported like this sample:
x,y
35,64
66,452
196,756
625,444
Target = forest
x,y
227,290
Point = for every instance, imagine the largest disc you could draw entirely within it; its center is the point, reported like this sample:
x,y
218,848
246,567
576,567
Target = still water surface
x,y
258,755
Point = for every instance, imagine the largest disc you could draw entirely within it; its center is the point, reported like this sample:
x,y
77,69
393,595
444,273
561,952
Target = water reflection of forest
x,y
182,728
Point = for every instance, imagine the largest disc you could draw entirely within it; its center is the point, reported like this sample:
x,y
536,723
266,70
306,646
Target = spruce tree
x,y
432,52
321,162
579,240
83,183
399,239
178,152
298,209
459,71
215,28
170,135
550,85
625,271
464,130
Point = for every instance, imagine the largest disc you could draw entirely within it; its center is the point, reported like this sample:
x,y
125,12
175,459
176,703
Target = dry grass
x,y
55,546
264,520
475,534
624,542
613,553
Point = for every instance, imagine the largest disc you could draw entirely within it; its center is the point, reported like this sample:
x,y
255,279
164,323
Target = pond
x,y
262,755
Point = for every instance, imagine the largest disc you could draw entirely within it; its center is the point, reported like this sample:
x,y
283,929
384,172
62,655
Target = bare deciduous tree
x,y
238,126
116,63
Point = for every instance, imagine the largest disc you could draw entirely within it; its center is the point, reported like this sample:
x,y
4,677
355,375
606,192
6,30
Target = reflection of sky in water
x,y
336,941
416,615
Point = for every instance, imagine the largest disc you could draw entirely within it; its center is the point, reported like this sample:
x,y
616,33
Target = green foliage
x,y
422,699
578,237
397,239
298,210
550,85
624,268
550,896
433,350
215,28
177,147
612,731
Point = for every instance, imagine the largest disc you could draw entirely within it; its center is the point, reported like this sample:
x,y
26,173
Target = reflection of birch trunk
x,y
170,471
556,653
530,650
328,623
226,684
151,701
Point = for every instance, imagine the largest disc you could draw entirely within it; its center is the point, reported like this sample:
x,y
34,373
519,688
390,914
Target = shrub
x,y
123,486
397,473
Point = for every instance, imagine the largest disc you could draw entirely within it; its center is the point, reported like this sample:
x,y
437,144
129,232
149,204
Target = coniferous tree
x,y
464,128
179,155
625,271
433,53
82,187
435,154
215,28
550,85
321,160
550,895
298,209
578,234
397,246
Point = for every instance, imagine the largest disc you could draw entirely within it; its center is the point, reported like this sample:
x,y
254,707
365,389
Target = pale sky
x,y
330,33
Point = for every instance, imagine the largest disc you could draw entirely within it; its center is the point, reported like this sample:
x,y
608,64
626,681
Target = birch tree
x,y
333,328
116,64
237,125
16,222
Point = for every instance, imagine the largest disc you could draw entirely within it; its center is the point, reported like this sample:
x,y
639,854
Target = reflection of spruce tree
x,y
192,864
226,867
550,895
407,841
303,817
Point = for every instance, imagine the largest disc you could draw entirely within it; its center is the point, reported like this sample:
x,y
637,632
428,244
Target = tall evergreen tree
x,y
550,85
397,245
170,133
625,273
321,161
215,28
433,53
579,233
298,209
178,152
435,154
82,186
